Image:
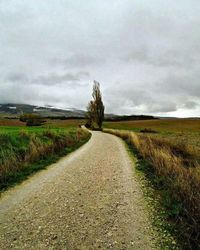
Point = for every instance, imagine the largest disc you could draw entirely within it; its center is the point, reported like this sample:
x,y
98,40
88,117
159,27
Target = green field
x,y
24,150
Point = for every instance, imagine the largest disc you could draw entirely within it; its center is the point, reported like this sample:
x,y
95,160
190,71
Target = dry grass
x,y
177,165
185,131
161,125
20,149
11,122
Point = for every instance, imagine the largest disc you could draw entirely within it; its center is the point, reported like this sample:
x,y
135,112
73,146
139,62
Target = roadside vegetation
x,y
173,167
24,150
185,131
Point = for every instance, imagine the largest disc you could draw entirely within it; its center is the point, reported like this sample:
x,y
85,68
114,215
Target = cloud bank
x,y
144,53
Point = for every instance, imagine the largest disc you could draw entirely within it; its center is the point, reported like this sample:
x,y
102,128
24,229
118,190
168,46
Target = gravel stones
x,y
88,200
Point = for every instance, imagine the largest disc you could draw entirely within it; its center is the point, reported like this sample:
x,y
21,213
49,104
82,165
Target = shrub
x,y
32,119
148,130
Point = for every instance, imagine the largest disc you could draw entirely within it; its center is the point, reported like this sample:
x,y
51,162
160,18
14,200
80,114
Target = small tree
x,y
32,119
90,114
95,107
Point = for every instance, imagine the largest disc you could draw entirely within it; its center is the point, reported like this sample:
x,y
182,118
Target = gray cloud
x,y
55,79
14,77
190,104
144,53
79,60
182,84
68,79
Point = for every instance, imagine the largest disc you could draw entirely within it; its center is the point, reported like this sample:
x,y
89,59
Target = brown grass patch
x,y
11,122
162,125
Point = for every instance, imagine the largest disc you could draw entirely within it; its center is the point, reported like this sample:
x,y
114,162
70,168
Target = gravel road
x,y
88,200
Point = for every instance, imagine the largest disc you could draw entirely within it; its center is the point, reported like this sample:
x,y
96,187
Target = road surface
x,y
88,200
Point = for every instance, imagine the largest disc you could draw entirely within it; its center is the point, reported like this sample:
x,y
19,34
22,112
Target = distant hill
x,y
13,110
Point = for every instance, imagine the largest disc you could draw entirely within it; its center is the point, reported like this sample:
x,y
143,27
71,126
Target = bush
x,y
148,130
32,119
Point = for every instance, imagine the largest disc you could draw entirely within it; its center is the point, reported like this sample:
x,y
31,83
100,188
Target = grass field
x,y
182,130
24,150
49,123
162,125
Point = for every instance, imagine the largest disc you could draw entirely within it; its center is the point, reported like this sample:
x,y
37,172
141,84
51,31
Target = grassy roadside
x,y
173,172
185,131
164,232
23,152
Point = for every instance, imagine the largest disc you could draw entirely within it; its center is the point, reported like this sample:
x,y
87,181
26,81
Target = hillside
x,y
14,110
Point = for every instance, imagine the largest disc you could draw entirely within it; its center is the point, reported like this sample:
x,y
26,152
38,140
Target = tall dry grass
x,y
178,167
19,150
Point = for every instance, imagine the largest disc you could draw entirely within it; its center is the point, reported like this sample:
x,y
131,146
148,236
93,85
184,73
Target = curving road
x,y
88,200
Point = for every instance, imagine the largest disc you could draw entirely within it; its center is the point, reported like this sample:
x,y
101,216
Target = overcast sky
x,y
145,54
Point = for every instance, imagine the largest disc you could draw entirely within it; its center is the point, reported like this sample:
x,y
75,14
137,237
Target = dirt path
x,y
88,200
